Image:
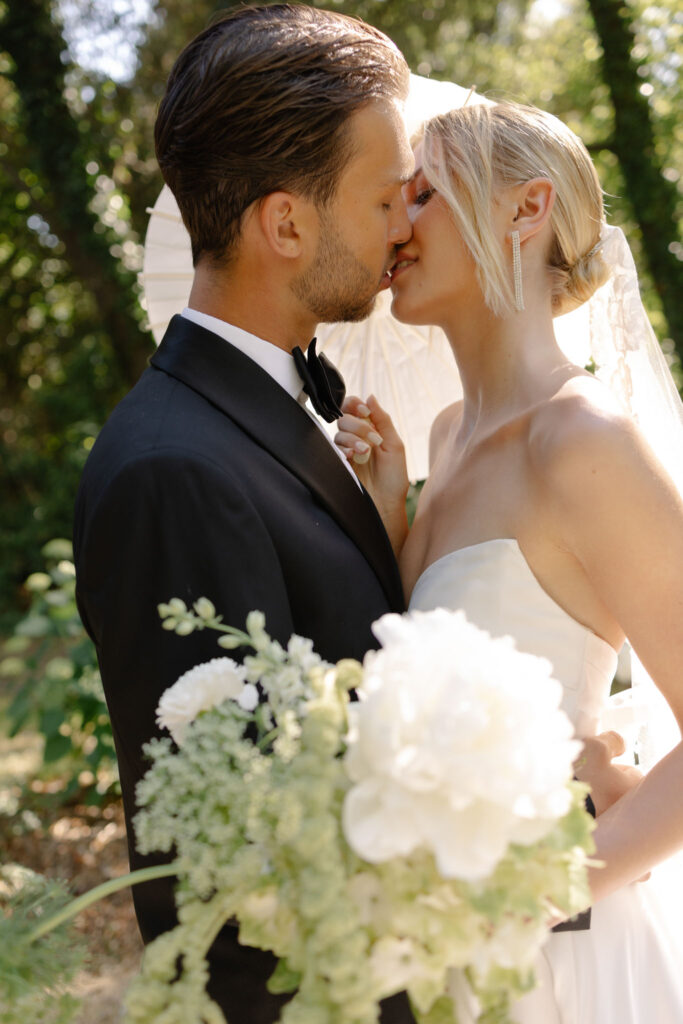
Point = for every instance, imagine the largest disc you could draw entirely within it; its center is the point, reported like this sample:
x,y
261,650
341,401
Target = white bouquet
x,y
421,838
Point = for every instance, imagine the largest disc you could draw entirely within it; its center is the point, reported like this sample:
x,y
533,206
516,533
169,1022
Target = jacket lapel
x,y
242,390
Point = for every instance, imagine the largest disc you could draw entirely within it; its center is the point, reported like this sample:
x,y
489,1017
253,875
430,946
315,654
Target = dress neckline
x,y
513,544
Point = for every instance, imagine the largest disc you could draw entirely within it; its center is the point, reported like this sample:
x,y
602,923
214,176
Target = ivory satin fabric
x,y
624,970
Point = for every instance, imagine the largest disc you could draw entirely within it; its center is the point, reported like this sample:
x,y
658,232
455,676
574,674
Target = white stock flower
x,y
457,745
203,687
301,653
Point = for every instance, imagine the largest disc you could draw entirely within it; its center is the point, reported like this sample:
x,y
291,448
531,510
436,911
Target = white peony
x,y
458,744
205,686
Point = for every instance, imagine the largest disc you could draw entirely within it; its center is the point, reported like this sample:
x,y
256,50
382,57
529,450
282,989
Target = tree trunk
x,y
652,197
35,44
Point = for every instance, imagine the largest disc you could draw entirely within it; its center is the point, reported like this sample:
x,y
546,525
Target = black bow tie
x,y
323,382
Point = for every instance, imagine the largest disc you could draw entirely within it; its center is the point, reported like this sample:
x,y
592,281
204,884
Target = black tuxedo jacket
x,y
210,480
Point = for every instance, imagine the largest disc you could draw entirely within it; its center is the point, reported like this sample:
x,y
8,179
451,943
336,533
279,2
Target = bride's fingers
x,y
383,422
351,429
371,439
355,406
599,751
353,447
348,453
357,458
613,743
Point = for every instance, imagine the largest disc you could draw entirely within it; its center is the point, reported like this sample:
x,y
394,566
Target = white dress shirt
x,y
277,362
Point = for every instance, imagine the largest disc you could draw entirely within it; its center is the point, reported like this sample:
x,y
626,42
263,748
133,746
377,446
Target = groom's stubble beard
x,y
337,287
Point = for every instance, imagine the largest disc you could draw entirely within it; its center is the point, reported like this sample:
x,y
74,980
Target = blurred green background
x,y
80,81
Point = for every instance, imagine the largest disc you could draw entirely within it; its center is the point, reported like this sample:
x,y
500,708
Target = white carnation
x,y
205,686
457,745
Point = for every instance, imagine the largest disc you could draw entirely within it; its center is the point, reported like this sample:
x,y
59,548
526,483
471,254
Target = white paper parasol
x,y
167,270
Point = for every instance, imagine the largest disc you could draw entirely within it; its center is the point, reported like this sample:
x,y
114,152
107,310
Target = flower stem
x,y
98,893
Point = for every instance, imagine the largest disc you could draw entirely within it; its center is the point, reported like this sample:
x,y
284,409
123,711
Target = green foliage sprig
x,y
35,987
58,687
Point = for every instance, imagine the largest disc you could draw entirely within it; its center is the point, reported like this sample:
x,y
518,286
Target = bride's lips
x,y
403,263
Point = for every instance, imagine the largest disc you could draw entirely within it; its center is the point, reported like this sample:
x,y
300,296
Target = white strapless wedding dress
x,y
624,969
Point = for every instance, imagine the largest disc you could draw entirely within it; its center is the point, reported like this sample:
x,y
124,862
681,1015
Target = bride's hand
x,y
368,439
608,782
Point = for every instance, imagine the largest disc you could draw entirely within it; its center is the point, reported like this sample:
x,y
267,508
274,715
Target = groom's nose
x,y
400,228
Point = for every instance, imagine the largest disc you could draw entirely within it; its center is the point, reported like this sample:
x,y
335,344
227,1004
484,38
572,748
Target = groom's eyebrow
x,y
399,180
411,177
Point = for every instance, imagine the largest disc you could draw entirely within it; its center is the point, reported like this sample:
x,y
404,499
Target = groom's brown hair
x,y
260,102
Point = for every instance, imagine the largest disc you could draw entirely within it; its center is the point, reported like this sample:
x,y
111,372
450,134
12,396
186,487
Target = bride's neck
x,y
506,365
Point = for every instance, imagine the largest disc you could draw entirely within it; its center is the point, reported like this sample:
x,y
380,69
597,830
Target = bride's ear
x,y
533,204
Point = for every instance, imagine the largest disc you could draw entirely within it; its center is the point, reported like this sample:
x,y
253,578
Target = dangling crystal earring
x,y
517,271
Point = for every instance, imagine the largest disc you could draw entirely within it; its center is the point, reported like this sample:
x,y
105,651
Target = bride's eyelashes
x,y
423,197
417,191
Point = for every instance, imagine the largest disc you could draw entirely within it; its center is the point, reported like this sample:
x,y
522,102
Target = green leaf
x,y
50,720
19,710
441,1012
83,654
56,746
283,979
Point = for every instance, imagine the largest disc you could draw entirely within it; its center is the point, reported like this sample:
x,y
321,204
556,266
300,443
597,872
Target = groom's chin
x,y
354,315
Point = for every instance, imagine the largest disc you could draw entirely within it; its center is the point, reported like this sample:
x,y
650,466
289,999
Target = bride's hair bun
x,y
473,153
574,285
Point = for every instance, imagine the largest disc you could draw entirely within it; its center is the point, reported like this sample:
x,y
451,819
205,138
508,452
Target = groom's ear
x,y
286,224
533,204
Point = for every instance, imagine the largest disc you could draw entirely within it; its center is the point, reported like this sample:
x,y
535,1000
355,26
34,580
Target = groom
x,y
280,134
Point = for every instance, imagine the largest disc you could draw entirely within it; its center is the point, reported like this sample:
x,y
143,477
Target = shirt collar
x,y
275,361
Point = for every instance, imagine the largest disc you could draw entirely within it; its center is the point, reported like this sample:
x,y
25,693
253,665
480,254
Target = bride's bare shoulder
x,y
446,420
582,433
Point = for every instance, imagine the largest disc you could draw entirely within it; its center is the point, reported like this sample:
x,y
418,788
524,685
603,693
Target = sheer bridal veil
x,y
627,357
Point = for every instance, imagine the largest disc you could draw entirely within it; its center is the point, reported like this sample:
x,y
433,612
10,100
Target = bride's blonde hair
x,y
473,152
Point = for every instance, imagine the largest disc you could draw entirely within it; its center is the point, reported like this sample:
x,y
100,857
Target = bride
x,y
546,514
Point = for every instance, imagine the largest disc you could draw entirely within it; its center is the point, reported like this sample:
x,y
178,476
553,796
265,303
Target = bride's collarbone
x,y
471,437
482,461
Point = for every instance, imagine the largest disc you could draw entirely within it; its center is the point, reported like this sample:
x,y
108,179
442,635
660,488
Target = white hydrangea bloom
x,y
458,745
513,944
395,962
204,686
